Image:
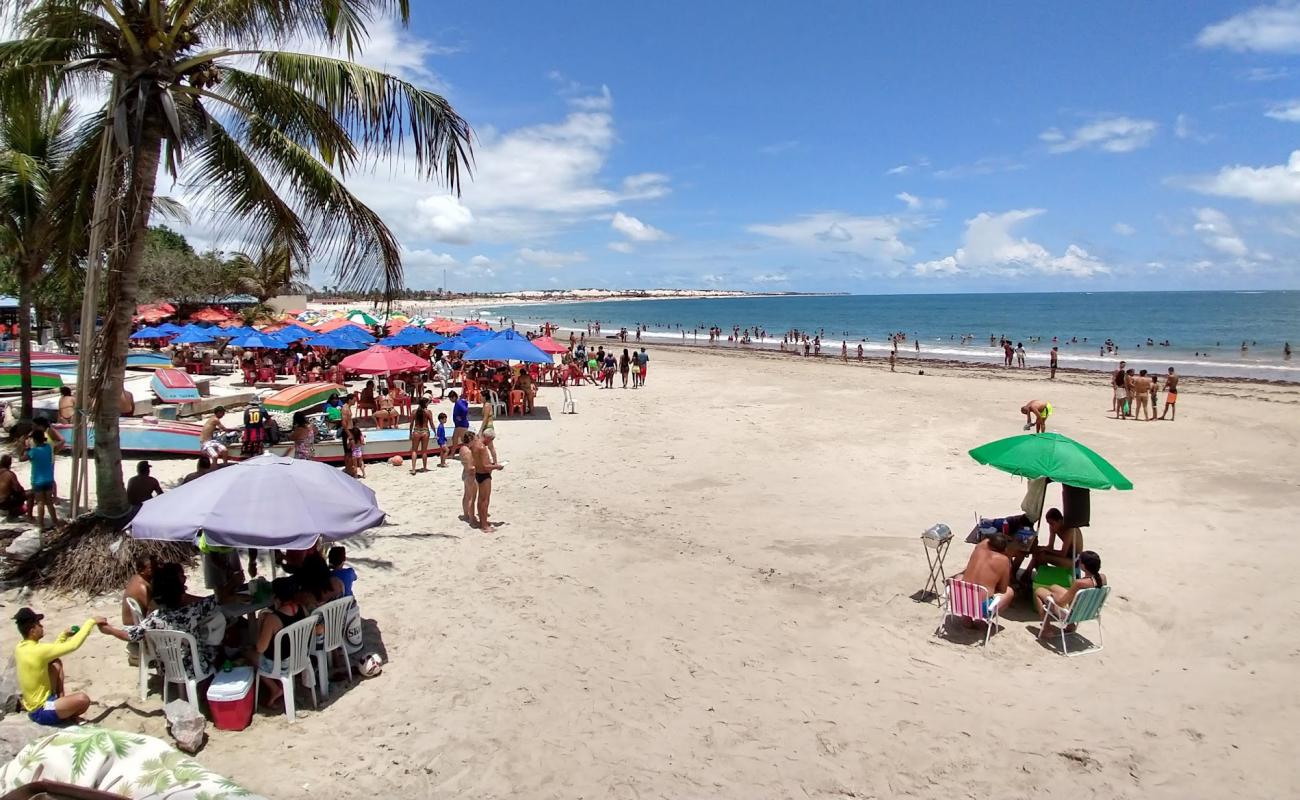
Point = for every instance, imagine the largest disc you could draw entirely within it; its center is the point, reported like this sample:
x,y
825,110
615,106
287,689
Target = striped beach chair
x,y
1086,606
969,600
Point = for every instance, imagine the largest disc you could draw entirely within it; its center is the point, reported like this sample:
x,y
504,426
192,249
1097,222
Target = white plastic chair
x,y
170,647
569,406
1086,606
292,656
494,400
335,616
146,655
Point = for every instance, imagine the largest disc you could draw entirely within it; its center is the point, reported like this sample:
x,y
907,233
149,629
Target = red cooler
x,y
230,696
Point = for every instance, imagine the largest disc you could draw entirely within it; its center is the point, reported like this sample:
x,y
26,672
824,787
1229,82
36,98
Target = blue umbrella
x,y
257,339
354,333
232,333
291,334
169,329
456,343
472,334
420,335
149,333
193,337
335,342
508,346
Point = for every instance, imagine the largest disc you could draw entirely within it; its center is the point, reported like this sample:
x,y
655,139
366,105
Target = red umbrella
x,y
381,360
548,345
211,314
446,326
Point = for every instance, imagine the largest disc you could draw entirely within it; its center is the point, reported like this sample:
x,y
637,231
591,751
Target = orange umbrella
x,y
210,314
335,324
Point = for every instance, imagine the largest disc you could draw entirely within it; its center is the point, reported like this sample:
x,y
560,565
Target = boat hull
x,y
302,397
150,436
380,445
11,379
174,386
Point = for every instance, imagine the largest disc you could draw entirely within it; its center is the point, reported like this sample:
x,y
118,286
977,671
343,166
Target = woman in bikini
x,y
488,431
1089,563
465,454
419,432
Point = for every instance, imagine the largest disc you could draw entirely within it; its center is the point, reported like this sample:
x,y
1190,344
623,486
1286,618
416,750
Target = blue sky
x,y
860,147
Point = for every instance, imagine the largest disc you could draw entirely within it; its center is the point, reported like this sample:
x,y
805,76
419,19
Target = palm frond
x,y
278,21
383,113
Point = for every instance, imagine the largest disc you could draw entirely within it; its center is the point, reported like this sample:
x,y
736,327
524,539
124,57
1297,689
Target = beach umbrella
x,y
270,502
338,323
253,340
193,337
210,314
447,326
355,334
456,343
414,335
508,346
358,316
334,342
548,345
381,360
150,333
232,332
169,328
1053,456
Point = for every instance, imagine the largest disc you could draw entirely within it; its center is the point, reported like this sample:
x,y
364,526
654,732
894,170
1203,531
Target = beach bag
x,y
352,631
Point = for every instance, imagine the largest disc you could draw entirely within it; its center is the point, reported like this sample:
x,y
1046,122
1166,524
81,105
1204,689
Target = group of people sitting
x,y
157,598
996,566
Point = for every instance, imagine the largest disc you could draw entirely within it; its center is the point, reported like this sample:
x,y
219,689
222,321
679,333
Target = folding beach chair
x,y
1086,606
970,600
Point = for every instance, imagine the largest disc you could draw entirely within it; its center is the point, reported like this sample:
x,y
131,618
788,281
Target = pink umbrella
x,y
548,345
381,360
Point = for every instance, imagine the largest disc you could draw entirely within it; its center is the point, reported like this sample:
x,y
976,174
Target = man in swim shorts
x,y
1036,413
212,446
1171,397
483,469
990,567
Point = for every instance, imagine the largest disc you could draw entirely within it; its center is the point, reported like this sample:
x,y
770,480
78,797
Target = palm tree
x,y
265,274
263,137
35,142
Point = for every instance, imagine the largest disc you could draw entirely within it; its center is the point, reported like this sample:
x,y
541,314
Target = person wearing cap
x,y
142,486
40,670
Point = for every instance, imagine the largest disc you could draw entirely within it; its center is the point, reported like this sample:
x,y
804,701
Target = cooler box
x,y
230,696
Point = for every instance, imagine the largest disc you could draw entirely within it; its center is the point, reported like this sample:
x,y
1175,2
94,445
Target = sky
x,y
853,146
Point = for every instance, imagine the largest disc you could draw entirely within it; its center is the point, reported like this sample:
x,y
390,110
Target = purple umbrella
x,y
265,502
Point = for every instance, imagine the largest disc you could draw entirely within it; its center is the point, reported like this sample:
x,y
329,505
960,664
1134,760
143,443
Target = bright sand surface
x,y
704,589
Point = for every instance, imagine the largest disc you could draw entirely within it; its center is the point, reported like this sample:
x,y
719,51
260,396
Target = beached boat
x,y
150,435
380,445
303,397
174,386
147,359
11,379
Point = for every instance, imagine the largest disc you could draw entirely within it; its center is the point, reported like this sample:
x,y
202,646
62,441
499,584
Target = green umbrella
x,y
1053,456
357,315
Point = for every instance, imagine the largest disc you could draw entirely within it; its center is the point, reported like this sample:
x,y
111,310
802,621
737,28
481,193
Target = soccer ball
x,y
396,461
372,665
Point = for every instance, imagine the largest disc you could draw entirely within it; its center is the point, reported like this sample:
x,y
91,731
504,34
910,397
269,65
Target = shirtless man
x,y
1171,396
483,469
1117,381
1036,413
210,443
1139,392
1062,546
67,405
138,588
990,567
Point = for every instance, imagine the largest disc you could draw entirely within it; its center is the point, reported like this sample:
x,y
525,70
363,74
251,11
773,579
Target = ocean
x,y
1205,330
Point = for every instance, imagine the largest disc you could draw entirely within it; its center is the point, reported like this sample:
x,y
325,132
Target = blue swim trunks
x,y
46,715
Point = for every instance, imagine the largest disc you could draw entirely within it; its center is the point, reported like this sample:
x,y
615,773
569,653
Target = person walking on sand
x,y
1036,413
624,366
484,466
643,361
418,430
1052,365
468,498
893,358
1120,390
1171,396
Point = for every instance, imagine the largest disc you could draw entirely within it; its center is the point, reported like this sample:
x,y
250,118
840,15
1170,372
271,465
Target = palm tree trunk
x,y
25,336
123,281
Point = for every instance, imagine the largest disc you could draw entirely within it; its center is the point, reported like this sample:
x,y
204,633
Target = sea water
x,y
1205,330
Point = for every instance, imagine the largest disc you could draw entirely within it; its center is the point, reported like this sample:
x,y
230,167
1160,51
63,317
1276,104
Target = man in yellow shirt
x,y
40,672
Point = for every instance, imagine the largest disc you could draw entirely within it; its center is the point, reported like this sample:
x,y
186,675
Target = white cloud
x,y
901,169
771,277
1182,126
1267,73
636,230
549,258
1218,233
446,219
871,237
988,247
912,201
1124,229
480,261
1110,135
1286,112
985,166
915,203
604,101
621,247
1264,29
1272,185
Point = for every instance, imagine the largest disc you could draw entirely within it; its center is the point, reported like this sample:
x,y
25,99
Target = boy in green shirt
x,y
40,672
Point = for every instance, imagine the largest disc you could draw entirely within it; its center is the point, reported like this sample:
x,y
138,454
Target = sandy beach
x,y
704,588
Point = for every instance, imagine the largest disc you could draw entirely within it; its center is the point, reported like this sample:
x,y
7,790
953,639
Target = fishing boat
x,y
380,445
150,435
147,359
302,397
174,386
11,379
